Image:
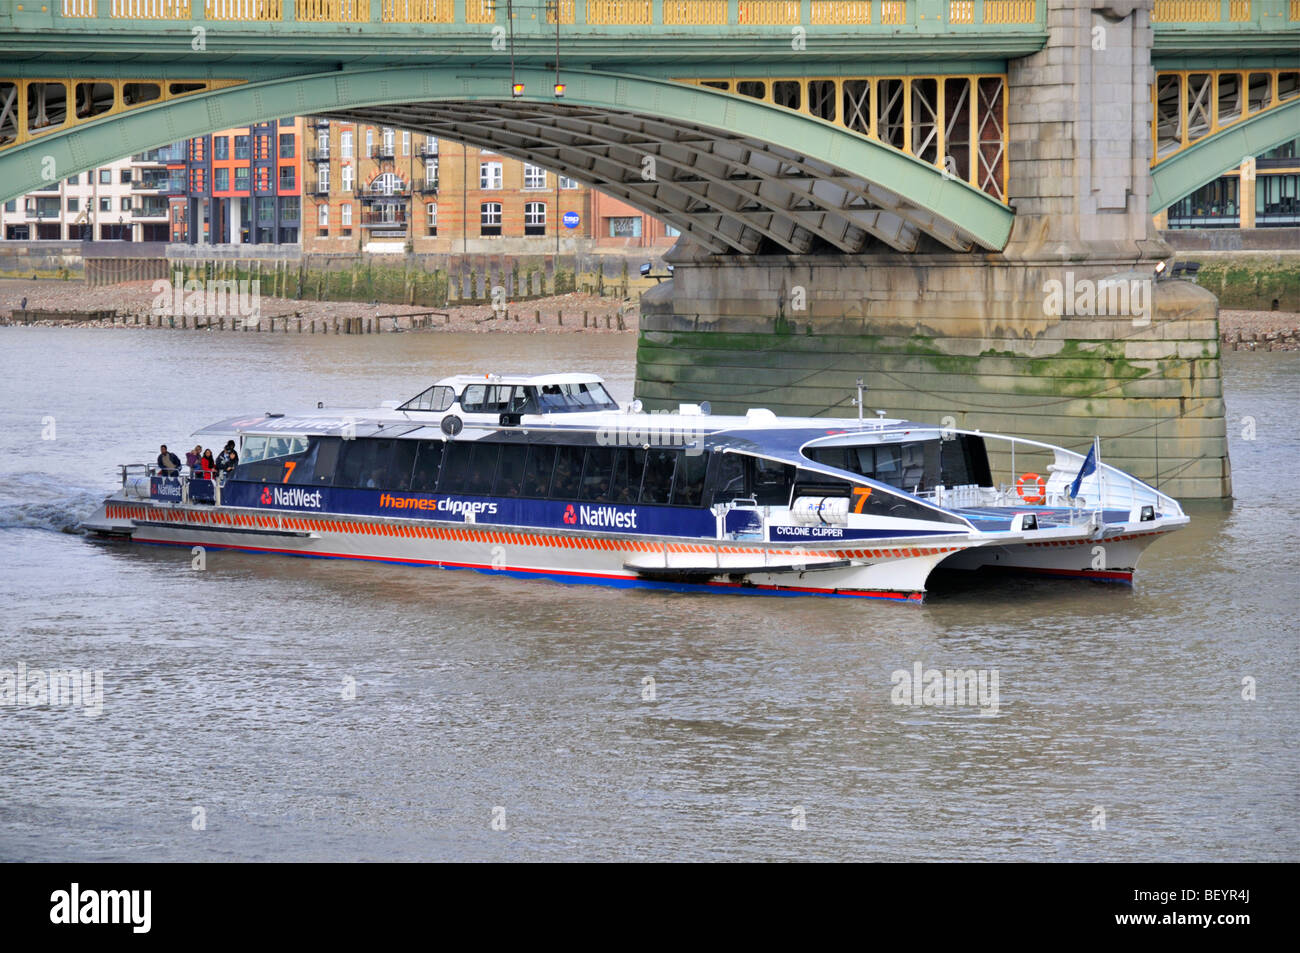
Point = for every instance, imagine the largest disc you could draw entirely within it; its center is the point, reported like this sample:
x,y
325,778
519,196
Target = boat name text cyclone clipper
x,y
547,476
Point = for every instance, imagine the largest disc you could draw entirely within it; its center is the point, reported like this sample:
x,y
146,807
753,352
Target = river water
x,y
497,719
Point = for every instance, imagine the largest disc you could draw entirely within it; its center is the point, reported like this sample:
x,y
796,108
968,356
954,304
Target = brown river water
x,y
497,719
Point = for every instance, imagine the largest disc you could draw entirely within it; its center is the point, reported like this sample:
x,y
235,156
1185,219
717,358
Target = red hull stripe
x,y
561,574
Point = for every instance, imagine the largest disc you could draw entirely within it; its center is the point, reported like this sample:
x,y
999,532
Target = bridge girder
x,y
805,180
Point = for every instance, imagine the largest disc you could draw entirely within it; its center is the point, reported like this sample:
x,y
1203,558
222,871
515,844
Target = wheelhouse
x,y
546,394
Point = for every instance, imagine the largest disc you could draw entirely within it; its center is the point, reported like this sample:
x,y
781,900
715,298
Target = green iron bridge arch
x,y
735,173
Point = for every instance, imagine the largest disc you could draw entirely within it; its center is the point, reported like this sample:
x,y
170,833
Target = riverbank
x,y
554,314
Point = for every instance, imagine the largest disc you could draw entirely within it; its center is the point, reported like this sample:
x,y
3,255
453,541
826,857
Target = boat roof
x,y
458,381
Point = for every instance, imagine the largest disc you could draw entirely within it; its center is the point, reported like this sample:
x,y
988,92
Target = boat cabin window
x,y
436,398
495,399
257,447
294,460
574,398
915,466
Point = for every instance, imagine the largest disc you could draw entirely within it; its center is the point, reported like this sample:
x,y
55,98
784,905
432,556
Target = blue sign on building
x,y
571,219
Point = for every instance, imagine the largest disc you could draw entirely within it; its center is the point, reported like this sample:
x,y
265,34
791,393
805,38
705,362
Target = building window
x,y
289,208
241,179
125,177
672,232
73,205
126,203
11,205
106,205
323,177
534,176
1277,200
286,145
221,147
347,175
345,143
534,218
323,141
489,177
323,215
388,184
105,176
431,173
430,145
287,183
346,212
266,211
406,143
431,216
370,141
243,147
220,180
629,227
74,180
568,183
490,219
388,141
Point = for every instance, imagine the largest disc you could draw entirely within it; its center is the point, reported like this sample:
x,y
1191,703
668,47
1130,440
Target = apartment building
x,y
98,205
240,186
380,189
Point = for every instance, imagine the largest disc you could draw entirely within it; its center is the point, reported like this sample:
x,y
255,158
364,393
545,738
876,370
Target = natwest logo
x,y
569,515
603,516
293,496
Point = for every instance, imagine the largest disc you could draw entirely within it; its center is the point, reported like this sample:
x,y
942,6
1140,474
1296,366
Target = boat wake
x,y
62,512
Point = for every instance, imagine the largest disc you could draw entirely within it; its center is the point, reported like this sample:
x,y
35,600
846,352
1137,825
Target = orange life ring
x,y
1042,488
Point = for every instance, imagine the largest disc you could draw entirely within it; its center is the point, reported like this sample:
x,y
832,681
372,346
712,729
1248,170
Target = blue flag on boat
x,y
1089,466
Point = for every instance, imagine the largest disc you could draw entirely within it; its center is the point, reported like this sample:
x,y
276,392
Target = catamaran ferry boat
x,y
549,477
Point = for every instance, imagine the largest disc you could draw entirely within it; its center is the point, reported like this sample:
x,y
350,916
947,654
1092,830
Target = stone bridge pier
x,y
1063,334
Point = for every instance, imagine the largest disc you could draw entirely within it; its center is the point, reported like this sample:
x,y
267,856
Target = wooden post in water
x,y
559,318
584,320
537,316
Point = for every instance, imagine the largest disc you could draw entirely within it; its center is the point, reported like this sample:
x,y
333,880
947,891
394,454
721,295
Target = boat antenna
x,y
858,400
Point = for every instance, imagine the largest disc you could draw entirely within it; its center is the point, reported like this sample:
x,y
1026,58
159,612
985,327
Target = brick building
x,y
380,189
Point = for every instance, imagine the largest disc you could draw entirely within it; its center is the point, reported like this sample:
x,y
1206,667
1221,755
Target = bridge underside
x,y
728,191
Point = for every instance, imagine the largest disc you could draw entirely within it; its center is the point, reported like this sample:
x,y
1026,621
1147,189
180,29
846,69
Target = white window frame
x,y
345,215
534,177
490,176
348,176
345,144
323,215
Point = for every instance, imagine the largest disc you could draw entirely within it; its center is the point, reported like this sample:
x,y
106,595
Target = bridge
x,y
994,142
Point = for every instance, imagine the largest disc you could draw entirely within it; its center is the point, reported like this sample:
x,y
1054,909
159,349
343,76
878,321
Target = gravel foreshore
x,y
137,297
1238,330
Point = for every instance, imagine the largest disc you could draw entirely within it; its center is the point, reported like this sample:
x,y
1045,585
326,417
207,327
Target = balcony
x,y
318,154
173,153
151,211
428,187
425,152
384,221
383,153
161,183
372,195
317,188
316,122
